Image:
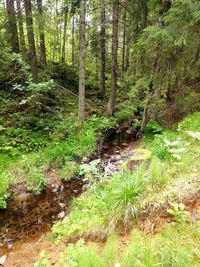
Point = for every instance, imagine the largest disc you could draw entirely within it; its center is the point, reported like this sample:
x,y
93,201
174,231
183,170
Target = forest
x,y
99,133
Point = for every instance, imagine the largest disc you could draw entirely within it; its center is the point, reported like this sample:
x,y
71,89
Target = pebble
x,y
85,160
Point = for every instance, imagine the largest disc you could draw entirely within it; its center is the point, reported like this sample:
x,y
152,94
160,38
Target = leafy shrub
x,y
152,128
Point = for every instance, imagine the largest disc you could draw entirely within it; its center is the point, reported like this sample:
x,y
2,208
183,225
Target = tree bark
x,y
81,113
103,50
12,26
73,40
65,32
112,98
31,41
144,13
127,53
124,40
41,33
21,28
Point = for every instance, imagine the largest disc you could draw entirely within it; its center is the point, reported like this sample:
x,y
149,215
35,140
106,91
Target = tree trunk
x,y
112,98
127,52
81,113
73,41
144,13
12,26
41,33
103,50
124,41
31,41
21,28
65,32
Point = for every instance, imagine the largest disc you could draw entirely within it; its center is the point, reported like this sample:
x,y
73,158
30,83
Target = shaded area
x,y
29,216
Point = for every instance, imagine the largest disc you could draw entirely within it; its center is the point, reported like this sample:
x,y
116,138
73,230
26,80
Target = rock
x,y
62,205
2,260
85,160
61,215
124,144
75,191
129,131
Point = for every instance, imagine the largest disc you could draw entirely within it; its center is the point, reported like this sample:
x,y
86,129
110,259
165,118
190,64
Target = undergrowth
x,y
73,143
172,247
115,201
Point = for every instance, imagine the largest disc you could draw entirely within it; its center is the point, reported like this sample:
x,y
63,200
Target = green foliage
x,y
107,204
178,211
4,183
152,128
142,250
190,123
126,190
68,171
158,173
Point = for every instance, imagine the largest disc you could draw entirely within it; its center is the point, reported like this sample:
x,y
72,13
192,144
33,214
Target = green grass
x,y
31,167
105,205
173,247
115,201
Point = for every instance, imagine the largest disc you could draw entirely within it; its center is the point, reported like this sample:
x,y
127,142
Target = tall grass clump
x,y
105,205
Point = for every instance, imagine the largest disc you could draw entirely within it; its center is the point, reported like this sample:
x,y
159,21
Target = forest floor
x,y
154,220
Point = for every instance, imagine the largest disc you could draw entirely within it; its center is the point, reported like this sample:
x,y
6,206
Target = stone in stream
x,y
2,260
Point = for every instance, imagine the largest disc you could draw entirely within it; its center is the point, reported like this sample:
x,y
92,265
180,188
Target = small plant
x,y
91,171
178,211
68,171
158,174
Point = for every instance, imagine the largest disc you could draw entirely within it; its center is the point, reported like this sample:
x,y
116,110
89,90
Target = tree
x,y
81,113
12,26
31,41
21,28
41,32
65,31
124,39
112,98
103,49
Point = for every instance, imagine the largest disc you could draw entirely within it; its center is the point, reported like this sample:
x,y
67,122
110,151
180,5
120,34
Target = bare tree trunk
x,y
112,98
21,28
41,32
144,13
65,32
12,26
31,41
103,49
73,41
124,41
127,53
81,112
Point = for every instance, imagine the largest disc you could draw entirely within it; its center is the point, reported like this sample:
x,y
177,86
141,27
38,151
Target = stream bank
x,y
29,217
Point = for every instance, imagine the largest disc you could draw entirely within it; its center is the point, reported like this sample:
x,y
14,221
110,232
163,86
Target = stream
x,y
28,216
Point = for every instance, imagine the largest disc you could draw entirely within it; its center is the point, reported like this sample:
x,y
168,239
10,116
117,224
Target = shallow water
x,y
29,216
